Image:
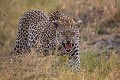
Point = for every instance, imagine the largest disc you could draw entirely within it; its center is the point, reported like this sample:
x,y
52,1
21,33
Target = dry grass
x,y
36,67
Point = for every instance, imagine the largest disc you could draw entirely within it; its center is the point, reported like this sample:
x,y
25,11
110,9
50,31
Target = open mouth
x,y
68,46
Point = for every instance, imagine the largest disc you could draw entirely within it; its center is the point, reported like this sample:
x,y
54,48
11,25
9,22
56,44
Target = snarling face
x,y
67,38
67,35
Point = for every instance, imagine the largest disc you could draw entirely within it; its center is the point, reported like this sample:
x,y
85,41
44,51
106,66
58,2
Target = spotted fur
x,y
34,31
43,33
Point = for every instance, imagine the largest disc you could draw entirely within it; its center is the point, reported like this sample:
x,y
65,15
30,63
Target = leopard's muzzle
x,y
68,46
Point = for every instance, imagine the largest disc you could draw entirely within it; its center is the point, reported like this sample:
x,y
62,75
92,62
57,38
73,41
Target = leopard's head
x,y
67,32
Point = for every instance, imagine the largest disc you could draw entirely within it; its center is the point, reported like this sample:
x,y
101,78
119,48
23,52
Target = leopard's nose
x,y
68,42
68,39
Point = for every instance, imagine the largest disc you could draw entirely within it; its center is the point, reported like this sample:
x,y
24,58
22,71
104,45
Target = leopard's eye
x,y
63,33
72,33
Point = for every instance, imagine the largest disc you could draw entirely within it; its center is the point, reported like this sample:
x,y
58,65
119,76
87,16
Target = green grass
x,y
100,66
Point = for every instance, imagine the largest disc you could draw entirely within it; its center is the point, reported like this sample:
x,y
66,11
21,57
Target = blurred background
x,y
99,40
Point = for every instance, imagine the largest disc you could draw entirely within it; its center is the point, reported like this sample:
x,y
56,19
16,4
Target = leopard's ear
x,y
79,23
56,23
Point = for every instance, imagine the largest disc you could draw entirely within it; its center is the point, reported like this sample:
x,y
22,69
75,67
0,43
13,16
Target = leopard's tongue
x,y
68,47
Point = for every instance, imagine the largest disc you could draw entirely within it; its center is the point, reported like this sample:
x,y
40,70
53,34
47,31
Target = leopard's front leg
x,y
74,58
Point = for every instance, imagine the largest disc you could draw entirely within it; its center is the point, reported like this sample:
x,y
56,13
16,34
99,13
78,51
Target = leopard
x,y
43,33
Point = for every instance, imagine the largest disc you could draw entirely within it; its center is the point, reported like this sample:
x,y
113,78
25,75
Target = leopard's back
x,y
27,24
